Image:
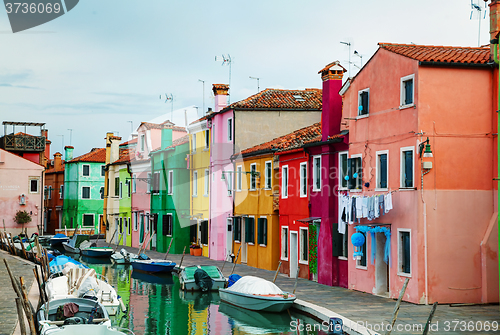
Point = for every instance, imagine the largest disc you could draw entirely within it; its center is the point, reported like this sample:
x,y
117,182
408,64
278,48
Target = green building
x,y
170,193
83,189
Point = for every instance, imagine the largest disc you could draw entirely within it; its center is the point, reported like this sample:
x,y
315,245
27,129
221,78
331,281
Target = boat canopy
x,y
255,285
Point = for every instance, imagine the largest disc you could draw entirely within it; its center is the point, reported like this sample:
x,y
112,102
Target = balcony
x,y
23,143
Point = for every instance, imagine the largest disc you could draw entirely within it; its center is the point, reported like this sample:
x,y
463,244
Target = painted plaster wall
x,y
258,203
141,200
293,208
55,204
125,204
113,211
15,173
74,205
255,127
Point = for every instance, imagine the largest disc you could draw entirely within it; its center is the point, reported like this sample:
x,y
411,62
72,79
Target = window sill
x,y
263,245
250,243
407,188
316,190
359,267
195,196
205,195
342,258
356,191
303,196
407,106
239,242
284,259
304,262
267,189
206,149
359,117
253,189
403,274
381,189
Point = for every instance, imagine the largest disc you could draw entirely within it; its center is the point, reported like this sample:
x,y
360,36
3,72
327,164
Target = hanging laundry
x,y
359,208
381,201
388,202
365,207
376,206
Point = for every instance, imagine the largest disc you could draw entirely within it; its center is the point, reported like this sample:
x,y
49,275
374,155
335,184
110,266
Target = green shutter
x,y
247,230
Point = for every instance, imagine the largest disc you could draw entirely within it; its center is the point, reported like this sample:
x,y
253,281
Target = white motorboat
x,y
79,283
257,294
123,257
73,245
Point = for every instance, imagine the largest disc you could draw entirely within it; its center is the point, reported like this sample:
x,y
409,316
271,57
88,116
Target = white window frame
x,y
37,185
284,182
83,169
135,219
377,171
301,261
268,176
402,168
193,143
93,219
361,267
358,189
400,252
134,183
302,181
229,181
195,184
346,153
314,173
253,176
230,126
172,221
360,116
206,181
254,232
61,192
283,258
402,91
121,190
90,192
170,187
267,230
239,178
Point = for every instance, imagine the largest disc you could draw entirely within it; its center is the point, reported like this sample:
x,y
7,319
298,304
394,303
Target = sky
x,y
106,62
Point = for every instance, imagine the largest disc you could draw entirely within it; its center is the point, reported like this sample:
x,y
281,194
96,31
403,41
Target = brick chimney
x,y
494,23
221,92
45,133
331,115
68,153
57,161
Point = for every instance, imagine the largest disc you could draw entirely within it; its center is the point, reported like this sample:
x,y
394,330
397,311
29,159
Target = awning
x,y
309,219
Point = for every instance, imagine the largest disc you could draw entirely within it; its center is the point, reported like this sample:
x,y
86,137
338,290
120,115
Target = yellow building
x,y
256,217
199,166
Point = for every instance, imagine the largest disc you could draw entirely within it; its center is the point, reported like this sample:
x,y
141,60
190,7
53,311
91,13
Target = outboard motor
x,y
203,280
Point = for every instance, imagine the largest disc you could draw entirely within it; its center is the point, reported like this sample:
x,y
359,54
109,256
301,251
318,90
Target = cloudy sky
x,y
106,62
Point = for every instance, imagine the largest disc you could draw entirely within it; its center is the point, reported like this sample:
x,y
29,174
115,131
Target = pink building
x,y
21,185
442,228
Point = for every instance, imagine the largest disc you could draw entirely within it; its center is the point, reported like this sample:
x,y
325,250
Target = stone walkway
x,y
364,307
8,311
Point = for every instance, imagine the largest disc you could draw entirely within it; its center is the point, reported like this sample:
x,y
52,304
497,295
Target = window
x,y
407,91
345,243
129,225
206,181
355,170
85,192
237,229
382,171
204,232
363,102
193,143
207,139
88,220
134,183
262,231
195,183
49,193
143,142
170,188
156,183
284,243
86,170
34,185
117,187
136,223
129,188
303,179
229,130
103,170
253,177
61,192
304,245
101,192
239,178
229,181
316,173
407,170
404,252
361,263
121,190
120,224
167,225
268,175
148,186
45,191
343,171
284,181
250,230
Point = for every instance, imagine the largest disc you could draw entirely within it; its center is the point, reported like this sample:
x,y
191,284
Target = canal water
x,y
156,305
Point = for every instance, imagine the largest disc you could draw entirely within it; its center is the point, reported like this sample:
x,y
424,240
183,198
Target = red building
x,y
54,195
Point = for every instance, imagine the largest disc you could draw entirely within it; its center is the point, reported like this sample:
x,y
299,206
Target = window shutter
x,y
408,92
383,171
164,226
264,231
408,169
259,231
336,240
350,172
406,246
247,230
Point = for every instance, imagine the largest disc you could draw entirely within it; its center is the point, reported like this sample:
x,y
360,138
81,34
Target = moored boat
x,y
73,245
97,251
58,239
257,294
201,278
123,257
58,263
152,265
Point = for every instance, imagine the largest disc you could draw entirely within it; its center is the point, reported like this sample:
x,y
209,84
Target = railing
x,y
23,143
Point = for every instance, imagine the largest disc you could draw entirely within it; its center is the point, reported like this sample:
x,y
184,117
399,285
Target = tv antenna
x,y
477,13
359,55
226,60
169,97
349,45
258,82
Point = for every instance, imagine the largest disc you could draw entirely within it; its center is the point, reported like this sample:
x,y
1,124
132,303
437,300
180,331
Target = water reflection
x,y
156,305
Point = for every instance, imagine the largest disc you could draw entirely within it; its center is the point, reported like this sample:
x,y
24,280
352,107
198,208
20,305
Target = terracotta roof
x,y
129,142
97,155
164,125
220,86
53,169
336,66
201,119
272,98
442,54
290,141
126,155
175,143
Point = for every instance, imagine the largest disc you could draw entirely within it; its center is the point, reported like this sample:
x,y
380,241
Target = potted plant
x,y
195,249
22,217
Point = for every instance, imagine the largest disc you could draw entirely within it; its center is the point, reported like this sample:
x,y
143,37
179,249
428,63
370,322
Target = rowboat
x,y
83,283
191,279
73,245
257,294
152,265
84,317
247,321
97,251
58,239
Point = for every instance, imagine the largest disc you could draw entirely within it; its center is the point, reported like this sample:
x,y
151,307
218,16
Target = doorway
x,y
229,238
381,267
294,252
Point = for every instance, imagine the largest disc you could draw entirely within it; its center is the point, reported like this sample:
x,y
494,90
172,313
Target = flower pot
x,y
197,252
191,251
